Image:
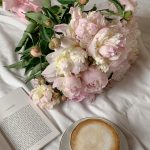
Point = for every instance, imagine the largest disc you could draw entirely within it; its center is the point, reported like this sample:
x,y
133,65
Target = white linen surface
x,y
127,103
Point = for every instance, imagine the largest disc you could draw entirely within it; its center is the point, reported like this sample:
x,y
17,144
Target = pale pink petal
x,y
9,4
20,7
98,37
52,56
58,83
114,65
79,67
130,5
50,73
70,86
76,13
121,71
82,96
107,51
94,80
67,42
61,28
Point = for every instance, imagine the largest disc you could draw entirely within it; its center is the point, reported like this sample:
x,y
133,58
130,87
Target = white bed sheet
x,y
127,104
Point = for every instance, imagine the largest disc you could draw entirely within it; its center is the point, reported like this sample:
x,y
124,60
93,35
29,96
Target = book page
x,y
23,123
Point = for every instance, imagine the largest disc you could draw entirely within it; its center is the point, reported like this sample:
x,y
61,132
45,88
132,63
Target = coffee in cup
x,y
94,134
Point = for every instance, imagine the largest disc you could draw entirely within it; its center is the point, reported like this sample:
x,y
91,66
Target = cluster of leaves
x,y
39,33
124,15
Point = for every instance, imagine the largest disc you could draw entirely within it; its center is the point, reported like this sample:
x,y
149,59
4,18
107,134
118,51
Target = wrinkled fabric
x,y
126,103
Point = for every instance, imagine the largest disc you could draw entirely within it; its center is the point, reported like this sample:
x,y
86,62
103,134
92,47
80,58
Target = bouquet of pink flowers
x,y
72,53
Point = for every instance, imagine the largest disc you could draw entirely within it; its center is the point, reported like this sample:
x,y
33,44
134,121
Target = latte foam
x,y
94,134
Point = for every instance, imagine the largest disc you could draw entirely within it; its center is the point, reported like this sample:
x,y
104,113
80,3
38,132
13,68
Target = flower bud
x,y
83,2
54,43
35,52
41,81
63,98
48,23
56,95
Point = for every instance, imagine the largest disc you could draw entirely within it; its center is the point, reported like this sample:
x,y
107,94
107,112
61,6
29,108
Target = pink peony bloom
x,y
65,61
72,88
121,66
107,45
42,96
85,31
130,5
94,80
82,27
20,7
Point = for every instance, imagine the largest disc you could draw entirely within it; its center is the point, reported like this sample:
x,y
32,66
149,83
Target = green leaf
x,y
25,52
46,3
119,7
28,70
28,44
66,16
39,67
21,42
30,29
32,40
128,15
39,18
55,9
36,71
108,12
67,1
46,33
50,14
0,2
44,47
25,55
38,74
32,63
18,65
30,36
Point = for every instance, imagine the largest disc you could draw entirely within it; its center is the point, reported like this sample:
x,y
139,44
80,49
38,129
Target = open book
x,y
23,126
